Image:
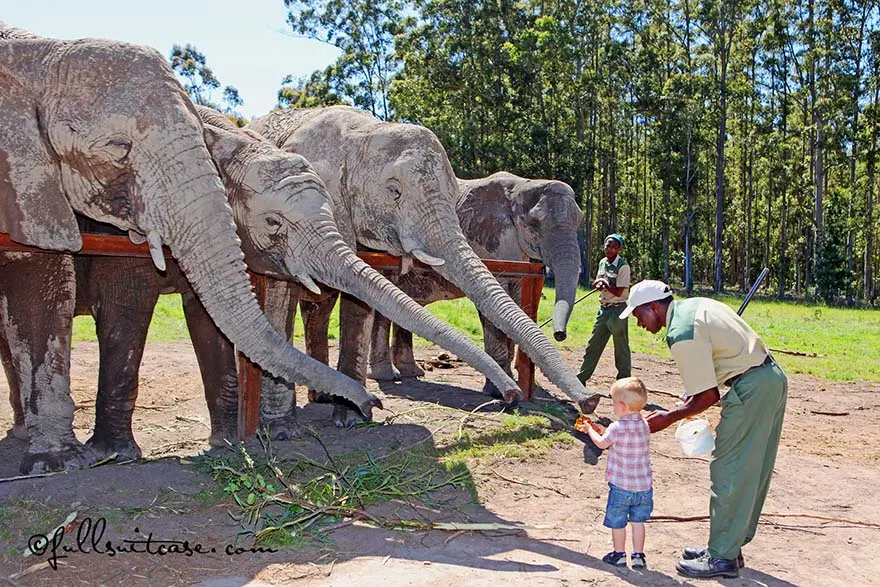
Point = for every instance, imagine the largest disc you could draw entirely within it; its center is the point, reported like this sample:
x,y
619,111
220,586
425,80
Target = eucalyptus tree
x,y
365,31
199,80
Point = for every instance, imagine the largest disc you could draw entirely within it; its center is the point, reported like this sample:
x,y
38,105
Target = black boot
x,y
707,566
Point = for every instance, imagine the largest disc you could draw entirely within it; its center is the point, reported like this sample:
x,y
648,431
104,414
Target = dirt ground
x,y
827,467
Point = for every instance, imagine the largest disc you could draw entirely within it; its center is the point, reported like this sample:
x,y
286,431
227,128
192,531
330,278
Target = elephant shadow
x,y
11,449
480,550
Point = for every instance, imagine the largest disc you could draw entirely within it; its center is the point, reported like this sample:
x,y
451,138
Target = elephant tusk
x,y
308,283
155,242
426,258
136,237
299,273
406,264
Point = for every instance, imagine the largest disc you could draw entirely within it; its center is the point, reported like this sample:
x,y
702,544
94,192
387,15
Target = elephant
x,y
301,243
104,129
505,217
393,190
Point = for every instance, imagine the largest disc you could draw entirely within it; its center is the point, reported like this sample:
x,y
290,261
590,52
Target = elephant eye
x,y
394,189
273,223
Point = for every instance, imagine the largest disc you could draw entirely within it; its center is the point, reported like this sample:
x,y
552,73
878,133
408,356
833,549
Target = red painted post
x,y
250,376
525,368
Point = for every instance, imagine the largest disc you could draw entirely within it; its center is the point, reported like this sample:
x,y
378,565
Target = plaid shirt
x,y
629,459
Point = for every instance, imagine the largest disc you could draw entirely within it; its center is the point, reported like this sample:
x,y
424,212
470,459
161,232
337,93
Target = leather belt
x,y
768,360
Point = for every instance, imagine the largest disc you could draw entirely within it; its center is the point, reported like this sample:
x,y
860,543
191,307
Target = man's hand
x,y
693,405
600,283
659,420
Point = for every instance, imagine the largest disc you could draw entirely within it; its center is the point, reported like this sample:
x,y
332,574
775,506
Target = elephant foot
x,y
70,456
223,435
319,397
410,370
383,371
283,429
105,445
19,431
346,415
588,405
345,418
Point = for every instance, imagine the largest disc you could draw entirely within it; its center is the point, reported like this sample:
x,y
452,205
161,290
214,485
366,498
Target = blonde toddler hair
x,y
631,391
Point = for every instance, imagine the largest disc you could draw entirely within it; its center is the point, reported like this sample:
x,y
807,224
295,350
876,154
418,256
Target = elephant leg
x,y
277,396
316,323
121,294
402,353
498,346
18,429
216,358
37,300
381,368
355,327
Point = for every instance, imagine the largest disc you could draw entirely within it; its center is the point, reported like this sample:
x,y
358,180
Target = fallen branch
x,y
795,353
500,476
51,473
661,392
682,458
772,515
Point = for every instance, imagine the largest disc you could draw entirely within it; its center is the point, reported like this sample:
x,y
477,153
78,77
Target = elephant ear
x,y
224,144
33,207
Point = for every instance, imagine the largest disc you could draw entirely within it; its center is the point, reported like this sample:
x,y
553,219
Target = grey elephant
x,y
394,190
282,211
104,129
505,217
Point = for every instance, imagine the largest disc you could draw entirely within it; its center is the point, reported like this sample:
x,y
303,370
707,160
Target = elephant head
x,y
104,129
394,190
509,217
286,224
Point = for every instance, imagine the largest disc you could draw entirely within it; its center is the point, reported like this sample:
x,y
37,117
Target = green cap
x,y
614,236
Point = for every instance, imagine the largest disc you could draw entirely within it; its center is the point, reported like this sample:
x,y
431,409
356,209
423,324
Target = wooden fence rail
x,y
531,276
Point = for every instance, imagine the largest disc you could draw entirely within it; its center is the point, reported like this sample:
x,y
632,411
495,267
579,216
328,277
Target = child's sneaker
x,y
618,559
638,560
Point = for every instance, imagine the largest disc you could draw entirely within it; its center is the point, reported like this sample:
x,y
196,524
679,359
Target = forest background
x,y
718,137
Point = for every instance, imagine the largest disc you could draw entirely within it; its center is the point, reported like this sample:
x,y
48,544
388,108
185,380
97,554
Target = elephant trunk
x,y
465,269
563,257
198,228
350,274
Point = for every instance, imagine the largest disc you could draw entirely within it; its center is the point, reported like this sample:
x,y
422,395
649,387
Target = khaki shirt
x,y
618,275
710,343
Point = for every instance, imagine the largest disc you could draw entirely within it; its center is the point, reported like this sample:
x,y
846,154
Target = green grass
x,y
169,324
847,340
519,437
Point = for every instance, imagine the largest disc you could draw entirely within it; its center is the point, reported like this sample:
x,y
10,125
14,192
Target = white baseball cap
x,y
643,292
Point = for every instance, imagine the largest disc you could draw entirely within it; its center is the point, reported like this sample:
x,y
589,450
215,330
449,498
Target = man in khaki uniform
x,y
713,346
612,281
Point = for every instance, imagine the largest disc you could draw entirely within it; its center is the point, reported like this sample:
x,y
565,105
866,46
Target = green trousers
x,y
608,324
746,441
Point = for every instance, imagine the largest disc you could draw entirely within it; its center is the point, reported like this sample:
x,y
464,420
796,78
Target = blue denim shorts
x,y
623,506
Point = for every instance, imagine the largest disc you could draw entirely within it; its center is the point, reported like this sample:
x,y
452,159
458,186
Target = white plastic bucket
x,y
695,437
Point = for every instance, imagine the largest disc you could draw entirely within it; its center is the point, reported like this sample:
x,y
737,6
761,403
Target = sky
x,y
246,43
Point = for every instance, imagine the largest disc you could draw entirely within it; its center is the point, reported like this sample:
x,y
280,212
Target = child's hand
x,y
583,424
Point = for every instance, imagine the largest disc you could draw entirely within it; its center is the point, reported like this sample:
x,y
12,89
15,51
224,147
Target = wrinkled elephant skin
x,y
505,217
393,190
104,129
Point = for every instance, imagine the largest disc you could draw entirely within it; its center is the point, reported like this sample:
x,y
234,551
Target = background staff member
x,y
612,280
712,346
